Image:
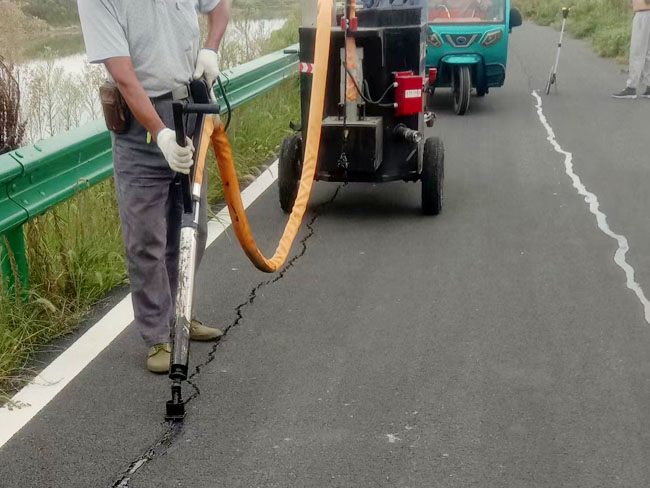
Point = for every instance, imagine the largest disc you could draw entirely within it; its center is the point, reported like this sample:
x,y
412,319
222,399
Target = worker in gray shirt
x,y
151,51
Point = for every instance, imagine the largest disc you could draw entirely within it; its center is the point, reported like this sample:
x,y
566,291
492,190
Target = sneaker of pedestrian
x,y
200,332
159,357
627,93
646,93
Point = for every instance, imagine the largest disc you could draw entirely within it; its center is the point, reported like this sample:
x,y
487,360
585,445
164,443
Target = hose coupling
x,y
410,135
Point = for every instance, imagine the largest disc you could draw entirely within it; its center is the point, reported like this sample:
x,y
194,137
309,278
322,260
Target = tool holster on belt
x,y
116,111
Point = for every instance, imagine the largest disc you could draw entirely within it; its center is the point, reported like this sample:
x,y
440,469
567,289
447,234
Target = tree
x,y
15,30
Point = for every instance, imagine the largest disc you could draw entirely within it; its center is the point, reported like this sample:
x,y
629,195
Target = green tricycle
x,y
468,45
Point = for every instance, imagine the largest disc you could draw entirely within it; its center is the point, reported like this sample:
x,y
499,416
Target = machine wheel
x,y
289,171
462,86
433,175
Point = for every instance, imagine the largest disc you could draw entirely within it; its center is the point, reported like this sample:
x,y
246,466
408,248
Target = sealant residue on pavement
x,y
594,207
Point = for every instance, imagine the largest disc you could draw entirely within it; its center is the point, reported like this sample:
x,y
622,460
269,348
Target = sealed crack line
x,y
620,256
173,428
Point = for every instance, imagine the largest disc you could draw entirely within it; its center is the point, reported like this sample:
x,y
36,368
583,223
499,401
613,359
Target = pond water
x,y
238,32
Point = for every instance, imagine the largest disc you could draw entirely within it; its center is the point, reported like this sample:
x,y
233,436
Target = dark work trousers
x,y
151,211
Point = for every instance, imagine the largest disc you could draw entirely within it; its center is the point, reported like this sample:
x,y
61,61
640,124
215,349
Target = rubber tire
x,y
289,171
462,88
433,176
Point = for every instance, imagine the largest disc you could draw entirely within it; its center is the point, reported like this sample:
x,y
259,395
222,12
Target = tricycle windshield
x,y
467,11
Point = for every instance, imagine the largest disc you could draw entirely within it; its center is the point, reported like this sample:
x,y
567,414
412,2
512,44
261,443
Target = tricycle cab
x,y
472,34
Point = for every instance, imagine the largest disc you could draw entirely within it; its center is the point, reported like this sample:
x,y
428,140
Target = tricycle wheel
x,y
289,170
462,86
433,175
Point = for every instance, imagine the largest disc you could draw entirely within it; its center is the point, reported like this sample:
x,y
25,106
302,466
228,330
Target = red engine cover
x,y
408,93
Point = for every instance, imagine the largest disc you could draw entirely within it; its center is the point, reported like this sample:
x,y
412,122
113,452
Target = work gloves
x,y
179,158
207,66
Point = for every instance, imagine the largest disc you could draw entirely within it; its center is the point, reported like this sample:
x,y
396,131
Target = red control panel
x,y
408,93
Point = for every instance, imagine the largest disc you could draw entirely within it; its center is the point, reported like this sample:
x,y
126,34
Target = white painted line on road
x,y
594,208
54,378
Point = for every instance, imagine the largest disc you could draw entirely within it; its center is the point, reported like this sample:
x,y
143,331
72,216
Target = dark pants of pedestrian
x,y
151,211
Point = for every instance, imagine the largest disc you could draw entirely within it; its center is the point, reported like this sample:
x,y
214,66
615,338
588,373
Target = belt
x,y
180,93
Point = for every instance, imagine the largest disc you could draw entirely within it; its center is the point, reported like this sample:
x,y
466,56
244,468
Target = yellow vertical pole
x,y
351,94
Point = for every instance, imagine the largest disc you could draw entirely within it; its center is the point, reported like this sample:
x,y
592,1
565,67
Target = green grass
x,y
76,253
75,257
606,23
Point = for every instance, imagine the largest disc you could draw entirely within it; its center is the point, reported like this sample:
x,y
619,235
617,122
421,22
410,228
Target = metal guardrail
x,y
34,179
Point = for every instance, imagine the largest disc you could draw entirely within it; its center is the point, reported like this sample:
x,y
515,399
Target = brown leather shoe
x,y
199,332
159,357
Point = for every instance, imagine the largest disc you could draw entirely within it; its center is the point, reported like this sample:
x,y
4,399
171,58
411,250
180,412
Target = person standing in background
x,y
639,52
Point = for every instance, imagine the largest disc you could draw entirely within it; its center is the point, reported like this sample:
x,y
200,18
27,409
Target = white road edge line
x,y
594,207
54,378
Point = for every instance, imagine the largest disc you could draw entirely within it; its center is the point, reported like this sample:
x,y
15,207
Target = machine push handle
x,y
185,180
201,108
179,126
180,109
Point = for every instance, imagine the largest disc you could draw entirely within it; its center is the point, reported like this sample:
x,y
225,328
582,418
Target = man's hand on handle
x,y
179,158
207,66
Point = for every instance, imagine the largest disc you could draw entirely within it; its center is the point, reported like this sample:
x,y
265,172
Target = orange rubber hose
x,y
351,60
229,179
206,133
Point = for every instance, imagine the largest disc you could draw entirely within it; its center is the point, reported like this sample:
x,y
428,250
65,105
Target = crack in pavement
x,y
174,428
164,441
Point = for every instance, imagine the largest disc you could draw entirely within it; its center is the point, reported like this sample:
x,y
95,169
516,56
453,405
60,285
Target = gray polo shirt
x,y
160,36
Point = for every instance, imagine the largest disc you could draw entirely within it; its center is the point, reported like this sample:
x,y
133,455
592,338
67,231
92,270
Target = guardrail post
x,y
14,262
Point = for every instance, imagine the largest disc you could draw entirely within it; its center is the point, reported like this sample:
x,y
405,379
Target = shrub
x,y
15,30
12,129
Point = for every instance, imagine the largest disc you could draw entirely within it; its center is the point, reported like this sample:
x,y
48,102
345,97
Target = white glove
x,y
179,158
207,66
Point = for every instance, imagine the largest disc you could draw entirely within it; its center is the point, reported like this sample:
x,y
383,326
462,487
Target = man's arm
x,y
207,62
121,69
218,20
179,158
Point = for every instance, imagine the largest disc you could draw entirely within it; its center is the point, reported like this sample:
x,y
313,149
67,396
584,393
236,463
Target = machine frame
x,y
380,137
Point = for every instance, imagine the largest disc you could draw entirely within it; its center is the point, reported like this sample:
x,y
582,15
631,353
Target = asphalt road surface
x,y
496,345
